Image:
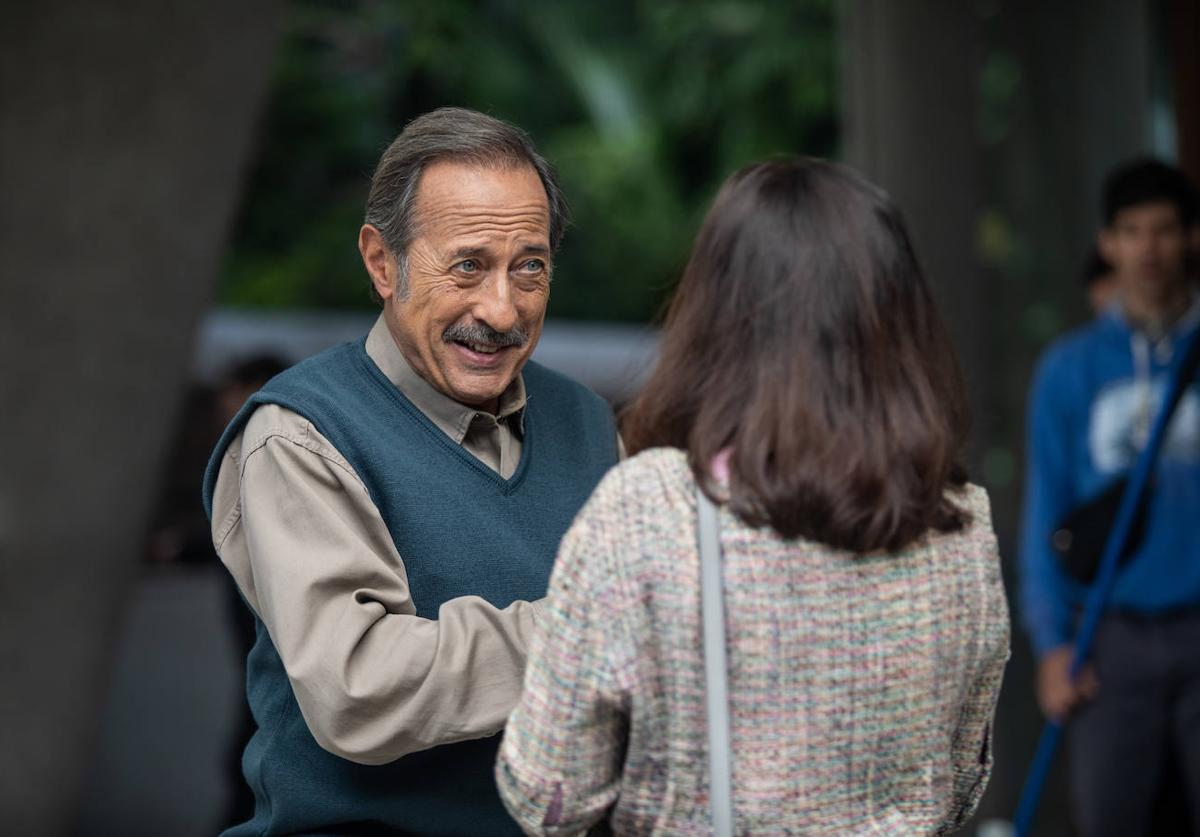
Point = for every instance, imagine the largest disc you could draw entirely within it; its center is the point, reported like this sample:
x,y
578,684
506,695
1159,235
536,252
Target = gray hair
x,y
460,135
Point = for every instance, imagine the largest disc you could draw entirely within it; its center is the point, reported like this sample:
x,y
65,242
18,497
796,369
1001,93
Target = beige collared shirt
x,y
310,552
494,440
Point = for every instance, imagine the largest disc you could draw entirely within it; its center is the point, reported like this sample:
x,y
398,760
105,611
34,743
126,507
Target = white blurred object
x,y
995,828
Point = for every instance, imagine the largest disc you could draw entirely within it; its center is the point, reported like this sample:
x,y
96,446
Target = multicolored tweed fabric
x,y
862,687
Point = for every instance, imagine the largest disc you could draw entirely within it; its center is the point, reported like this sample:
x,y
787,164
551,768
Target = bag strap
x,y
712,607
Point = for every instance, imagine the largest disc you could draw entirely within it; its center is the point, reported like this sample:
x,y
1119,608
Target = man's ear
x,y
377,259
1106,243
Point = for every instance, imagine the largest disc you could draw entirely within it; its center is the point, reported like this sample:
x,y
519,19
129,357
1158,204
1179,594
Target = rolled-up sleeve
x,y
315,560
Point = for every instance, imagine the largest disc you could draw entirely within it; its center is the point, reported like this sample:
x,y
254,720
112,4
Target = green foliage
x,y
645,106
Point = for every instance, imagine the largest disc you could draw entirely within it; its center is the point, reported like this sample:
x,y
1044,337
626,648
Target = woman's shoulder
x,y
643,494
651,472
974,500
975,542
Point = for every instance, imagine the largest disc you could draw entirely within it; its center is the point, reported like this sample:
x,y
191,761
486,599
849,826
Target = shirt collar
x,y
1182,325
451,417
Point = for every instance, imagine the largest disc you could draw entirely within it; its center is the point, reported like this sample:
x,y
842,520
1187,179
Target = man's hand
x,y
1056,694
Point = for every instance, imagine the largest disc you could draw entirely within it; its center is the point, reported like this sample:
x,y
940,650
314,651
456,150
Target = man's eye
x,y
468,265
533,266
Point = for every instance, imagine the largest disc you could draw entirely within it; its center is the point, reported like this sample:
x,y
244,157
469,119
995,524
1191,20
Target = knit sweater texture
x,y
862,688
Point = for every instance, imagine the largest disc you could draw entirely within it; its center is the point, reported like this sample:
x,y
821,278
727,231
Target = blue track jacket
x,y
1095,394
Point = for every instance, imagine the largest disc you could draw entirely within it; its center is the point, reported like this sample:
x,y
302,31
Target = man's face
x,y
478,279
1146,245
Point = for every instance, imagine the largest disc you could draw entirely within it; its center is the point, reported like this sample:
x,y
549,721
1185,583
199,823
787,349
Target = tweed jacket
x,y
862,688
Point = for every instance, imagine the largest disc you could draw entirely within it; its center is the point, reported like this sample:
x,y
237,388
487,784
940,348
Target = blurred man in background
x,y
1135,711
391,509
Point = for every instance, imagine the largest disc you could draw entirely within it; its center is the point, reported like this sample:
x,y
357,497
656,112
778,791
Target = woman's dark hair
x,y
804,338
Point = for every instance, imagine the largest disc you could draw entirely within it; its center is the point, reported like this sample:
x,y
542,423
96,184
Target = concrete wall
x,y
124,130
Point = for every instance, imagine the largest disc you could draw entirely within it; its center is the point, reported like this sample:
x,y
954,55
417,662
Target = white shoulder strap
x,y
712,606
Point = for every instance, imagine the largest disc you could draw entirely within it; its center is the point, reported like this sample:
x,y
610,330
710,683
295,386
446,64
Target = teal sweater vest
x,y
461,530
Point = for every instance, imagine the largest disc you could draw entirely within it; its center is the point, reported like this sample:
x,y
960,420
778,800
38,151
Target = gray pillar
x,y
1081,102
992,123
124,134
1078,101
909,96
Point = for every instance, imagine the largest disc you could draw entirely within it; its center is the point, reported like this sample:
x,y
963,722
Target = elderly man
x,y
391,508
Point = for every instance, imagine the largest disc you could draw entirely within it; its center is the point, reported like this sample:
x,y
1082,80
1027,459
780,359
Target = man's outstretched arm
x,y
311,553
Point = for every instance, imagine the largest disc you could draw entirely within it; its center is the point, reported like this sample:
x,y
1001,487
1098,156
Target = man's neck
x,y
1155,315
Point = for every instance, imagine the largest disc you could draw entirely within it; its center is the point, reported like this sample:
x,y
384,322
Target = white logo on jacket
x,y
1121,417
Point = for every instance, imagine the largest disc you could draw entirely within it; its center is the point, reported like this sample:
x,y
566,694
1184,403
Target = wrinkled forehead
x,y
458,199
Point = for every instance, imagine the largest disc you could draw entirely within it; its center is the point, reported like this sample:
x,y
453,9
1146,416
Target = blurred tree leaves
x,y
645,106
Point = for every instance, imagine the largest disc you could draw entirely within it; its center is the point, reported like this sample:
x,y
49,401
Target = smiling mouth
x,y
482,342
481,355
480,348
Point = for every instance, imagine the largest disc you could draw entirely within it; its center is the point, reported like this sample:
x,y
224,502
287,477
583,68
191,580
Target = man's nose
x,y
494,303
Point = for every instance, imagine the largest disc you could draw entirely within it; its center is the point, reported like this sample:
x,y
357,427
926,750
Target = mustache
x,y
485,335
